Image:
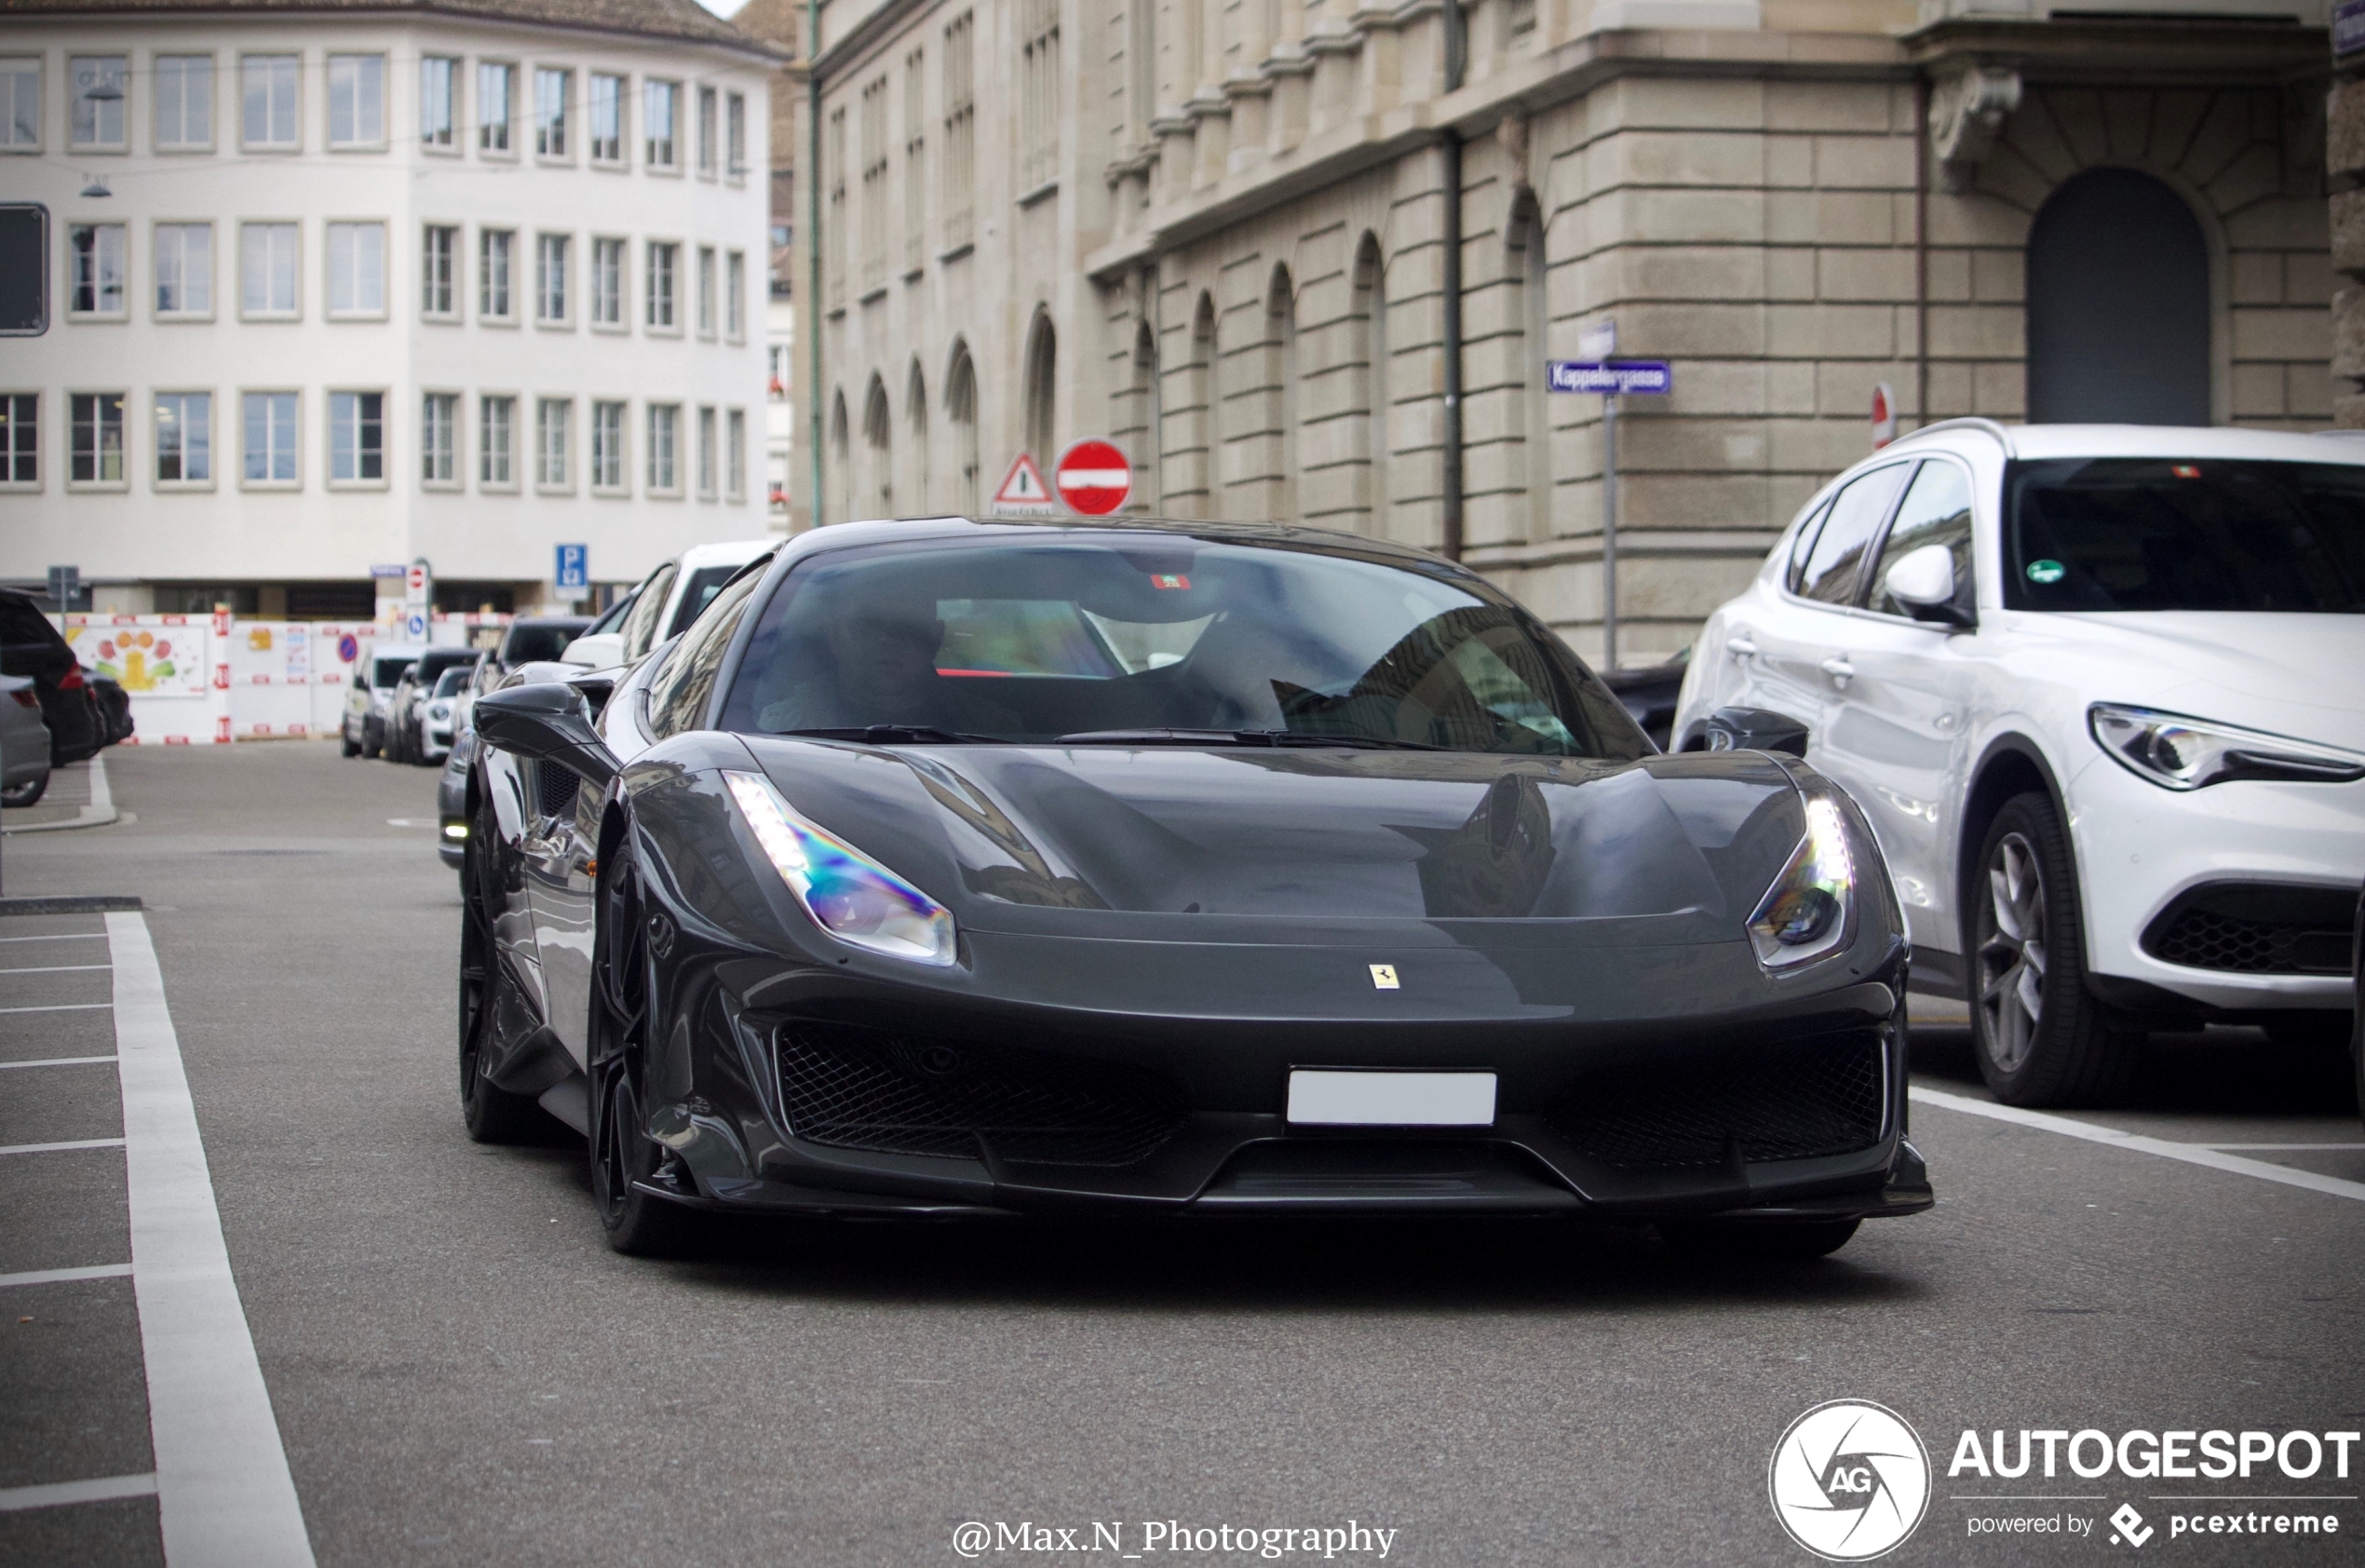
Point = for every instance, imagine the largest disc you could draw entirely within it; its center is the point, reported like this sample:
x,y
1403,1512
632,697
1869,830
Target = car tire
x,y
622,1157
26,793
491,1114
1743,1241
352,748
2041,1037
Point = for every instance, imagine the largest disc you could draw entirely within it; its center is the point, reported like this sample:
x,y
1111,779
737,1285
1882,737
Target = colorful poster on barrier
x,y
149,660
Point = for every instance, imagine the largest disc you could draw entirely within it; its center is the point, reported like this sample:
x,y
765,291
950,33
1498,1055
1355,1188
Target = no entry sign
x,y
1093,478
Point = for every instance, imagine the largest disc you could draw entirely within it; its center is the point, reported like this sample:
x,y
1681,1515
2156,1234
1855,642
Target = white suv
x,y
2100,690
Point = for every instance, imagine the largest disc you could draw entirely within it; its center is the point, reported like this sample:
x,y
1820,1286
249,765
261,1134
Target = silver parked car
x,y
24,743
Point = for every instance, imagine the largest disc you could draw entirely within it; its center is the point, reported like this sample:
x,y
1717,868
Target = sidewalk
x,y
77,797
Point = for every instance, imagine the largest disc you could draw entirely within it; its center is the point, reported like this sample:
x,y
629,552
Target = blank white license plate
x,y
1332,1098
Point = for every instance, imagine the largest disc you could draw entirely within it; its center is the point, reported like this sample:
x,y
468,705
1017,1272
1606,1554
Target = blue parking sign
x,y
574,566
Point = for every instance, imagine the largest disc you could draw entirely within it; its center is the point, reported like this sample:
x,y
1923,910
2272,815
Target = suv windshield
x,y
1124,638
2200,534
544,641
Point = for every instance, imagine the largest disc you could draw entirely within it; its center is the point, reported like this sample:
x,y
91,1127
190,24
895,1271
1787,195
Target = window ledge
x,y
283,486
954,252
18,487
270,316
183,487
440,487
1049,188
182,317
96,487
557,490
343,316
506,323
364,486
875,292
97,317
913,274
566,325
435,318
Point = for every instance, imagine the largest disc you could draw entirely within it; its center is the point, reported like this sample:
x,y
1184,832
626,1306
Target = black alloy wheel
x,y
2042,1038
624,1159
492,1115
1795,1241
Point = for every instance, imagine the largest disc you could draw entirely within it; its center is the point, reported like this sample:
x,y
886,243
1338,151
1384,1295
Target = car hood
x,y
1165,841
2294,675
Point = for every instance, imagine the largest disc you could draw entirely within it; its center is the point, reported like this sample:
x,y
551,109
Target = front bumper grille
x,y
1800,1100
2256,930
853,1087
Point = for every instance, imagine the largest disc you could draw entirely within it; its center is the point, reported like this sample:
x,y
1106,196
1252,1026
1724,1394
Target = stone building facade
x,y
2346,164
1220,232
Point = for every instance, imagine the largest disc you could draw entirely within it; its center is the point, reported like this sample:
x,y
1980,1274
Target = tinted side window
x,y
1803,545
678,694
640,626
1836,563
1937,510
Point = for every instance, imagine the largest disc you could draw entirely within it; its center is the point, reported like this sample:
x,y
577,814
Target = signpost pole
x,y
1609,531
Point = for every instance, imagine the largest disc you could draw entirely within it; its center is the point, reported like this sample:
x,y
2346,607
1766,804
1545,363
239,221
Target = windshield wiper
x,y
895,735
1239,737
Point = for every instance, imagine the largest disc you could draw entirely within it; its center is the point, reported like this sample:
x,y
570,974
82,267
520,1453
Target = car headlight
x,y
2176,752
1807,913
438,710
849,894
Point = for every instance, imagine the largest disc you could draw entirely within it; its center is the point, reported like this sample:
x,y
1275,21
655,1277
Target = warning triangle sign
x,y
1023,494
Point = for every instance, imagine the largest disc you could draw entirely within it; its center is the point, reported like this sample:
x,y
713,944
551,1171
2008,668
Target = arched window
x,y
1194,480
1146,421
834,493
878,441
961,411
1370,306
1528,271
2118,306
915,491
1041,389
1281,400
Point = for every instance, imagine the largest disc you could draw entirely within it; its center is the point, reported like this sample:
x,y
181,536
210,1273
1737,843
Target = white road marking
x,y
61,1148
224,1499
63,1275
2191,1153
106,1489
68,1008
2304,1147
59,969
76,1061
63,937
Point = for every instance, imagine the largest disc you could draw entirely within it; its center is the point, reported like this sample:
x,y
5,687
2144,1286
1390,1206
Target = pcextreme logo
x,y
1849,1480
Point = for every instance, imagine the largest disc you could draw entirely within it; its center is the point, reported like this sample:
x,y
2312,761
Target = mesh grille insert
x,y
555,786
1796,1100
2203,939
867,1088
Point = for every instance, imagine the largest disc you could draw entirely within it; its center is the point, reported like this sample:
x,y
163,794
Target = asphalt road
x,y
463,1373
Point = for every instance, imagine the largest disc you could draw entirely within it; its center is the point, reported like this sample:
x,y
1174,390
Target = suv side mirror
x,y
549,721
1923,581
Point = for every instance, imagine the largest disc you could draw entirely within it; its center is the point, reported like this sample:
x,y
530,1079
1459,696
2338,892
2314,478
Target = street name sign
x,y
1620,378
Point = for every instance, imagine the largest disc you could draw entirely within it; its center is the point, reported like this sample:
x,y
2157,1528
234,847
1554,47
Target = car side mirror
x,y
1923,581
599,651
1755,729
549,721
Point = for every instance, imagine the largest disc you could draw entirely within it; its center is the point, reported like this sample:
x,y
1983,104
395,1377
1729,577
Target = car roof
x,y
879,531
549,620
2042,442
735,552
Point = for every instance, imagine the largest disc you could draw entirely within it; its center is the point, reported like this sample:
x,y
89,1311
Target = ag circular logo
x,y
1849,1480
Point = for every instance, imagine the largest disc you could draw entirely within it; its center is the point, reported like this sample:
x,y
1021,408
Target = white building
x,y
330,290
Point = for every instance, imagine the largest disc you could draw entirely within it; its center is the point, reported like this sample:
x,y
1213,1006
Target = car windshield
x,y
387,673
1144,638
528,643
697,591
2200,533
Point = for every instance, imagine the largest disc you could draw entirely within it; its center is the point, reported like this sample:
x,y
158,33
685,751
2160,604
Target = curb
x,y
72,903
92,817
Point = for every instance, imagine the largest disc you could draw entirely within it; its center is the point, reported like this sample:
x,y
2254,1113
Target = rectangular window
x,y
98,83
439,265
607,446
184,269
356,100
184,438
98,438
734,298
552,418
957,158
706,454
916,163
439,417
665,428
874,182
550,278
607,118
20,103
735,457
268,100
1039,93
97,279
494,107
495,248
270,448
357,437
706,291
20,437
357,269
267,269
734,121
551,91
705,132
497,421
663,259
662,107
834,263
439,102
607,282
184,102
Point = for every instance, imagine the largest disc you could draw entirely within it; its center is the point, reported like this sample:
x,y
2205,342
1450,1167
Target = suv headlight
x,y
2176,752
849,894
1810,909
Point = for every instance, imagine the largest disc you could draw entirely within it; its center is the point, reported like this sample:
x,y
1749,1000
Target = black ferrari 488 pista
x,y
948,867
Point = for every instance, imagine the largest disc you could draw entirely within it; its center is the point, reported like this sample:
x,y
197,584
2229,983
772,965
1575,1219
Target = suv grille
x,y
867,1088
2254,929
1796,1101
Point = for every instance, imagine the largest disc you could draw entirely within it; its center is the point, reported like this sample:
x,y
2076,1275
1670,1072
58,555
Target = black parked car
x,y
1166,869
115,706
532,638
1649,693
30,645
